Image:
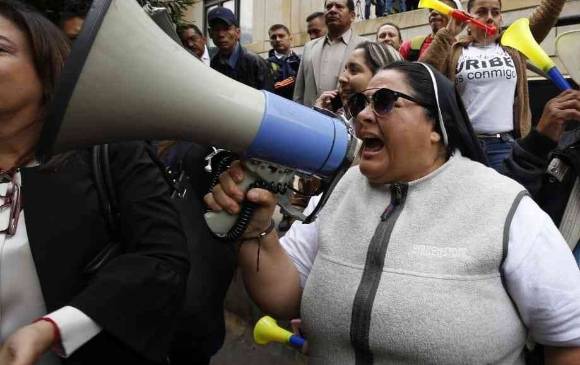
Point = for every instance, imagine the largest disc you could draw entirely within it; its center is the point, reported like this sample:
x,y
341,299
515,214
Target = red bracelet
x,y
56,344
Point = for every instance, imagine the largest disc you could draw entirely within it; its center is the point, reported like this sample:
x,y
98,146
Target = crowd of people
x,y
388,7
455,238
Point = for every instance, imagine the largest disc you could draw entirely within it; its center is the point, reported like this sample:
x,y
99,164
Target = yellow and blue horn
x,y
519,36
267,330
462,16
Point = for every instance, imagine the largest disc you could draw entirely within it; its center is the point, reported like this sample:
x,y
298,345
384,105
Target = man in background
x,y
283,61
379,8
323,59
194,41
72,17
390,35
416,47
232,59
315,25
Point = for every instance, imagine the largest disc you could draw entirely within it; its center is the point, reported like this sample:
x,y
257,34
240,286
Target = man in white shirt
x,y
194,41
323,58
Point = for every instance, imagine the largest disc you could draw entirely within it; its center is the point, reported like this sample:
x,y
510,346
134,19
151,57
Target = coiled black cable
x,y
247,208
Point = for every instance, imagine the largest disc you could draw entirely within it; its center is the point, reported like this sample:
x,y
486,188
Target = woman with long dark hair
x,y
53,294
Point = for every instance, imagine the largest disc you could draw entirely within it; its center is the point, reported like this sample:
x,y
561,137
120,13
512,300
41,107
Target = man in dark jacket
x,y
283,61
547,163
232,59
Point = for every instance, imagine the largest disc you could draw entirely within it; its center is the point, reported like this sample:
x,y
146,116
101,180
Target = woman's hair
x,y
471,2
378,55
455,119
49,46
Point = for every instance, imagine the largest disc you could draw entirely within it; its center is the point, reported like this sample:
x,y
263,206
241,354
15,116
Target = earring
x,y
435,137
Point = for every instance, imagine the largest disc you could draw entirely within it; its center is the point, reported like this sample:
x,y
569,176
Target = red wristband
x,y
56,343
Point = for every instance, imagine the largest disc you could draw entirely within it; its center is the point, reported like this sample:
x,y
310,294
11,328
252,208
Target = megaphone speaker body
x,y
127,80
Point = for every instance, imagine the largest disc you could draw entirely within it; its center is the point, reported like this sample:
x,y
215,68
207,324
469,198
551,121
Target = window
x,y
243,9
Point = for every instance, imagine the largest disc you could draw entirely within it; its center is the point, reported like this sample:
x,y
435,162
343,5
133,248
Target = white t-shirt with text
x,y
486,79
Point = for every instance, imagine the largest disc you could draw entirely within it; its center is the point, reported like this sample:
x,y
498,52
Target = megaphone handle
x,y
230,227
258,174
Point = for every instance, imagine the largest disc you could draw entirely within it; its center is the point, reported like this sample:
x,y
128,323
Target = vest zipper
x,y
374,264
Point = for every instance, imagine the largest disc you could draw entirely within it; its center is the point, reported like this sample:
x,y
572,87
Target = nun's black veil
x,y
456,122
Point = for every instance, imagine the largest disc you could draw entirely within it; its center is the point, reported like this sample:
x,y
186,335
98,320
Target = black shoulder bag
x,y
109,204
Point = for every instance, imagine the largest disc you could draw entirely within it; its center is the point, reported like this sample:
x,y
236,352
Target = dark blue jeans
x,y
497,149
379,8
402,6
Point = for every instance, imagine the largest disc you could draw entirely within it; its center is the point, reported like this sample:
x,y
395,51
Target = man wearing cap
x,y
232,59
323,59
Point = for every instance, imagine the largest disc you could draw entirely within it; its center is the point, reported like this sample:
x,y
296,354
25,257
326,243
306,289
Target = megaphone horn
x,y
267,330
519,37
127,80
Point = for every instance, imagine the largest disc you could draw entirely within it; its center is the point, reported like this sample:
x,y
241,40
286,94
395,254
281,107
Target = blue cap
x,y
223,14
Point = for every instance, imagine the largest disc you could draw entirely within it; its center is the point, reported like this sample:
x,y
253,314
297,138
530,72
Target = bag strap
x,y
105,187
109,204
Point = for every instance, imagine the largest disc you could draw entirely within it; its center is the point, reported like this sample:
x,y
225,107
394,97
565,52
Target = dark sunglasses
x,y
381,101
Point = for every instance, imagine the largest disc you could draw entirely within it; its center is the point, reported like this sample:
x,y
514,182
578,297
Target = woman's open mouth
x,y
371,146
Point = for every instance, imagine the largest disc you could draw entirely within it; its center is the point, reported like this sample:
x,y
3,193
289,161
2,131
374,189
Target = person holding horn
x,y
58,304
422,254
491,78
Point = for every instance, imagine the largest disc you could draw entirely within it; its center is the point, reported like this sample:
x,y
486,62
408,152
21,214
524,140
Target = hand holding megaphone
x,y
230,194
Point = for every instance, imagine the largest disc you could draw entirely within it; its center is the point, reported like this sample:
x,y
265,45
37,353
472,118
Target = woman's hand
x,y
324,101
226,195
27,344
557,112
455,26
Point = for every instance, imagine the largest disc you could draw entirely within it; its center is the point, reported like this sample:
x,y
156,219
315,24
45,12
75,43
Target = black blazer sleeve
x,y
528,161
136,296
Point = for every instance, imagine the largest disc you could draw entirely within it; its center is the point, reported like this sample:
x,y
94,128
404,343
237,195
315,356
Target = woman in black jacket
x,y
52,226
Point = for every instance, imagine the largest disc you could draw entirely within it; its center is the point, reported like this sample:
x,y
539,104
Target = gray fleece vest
x,y
416,282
